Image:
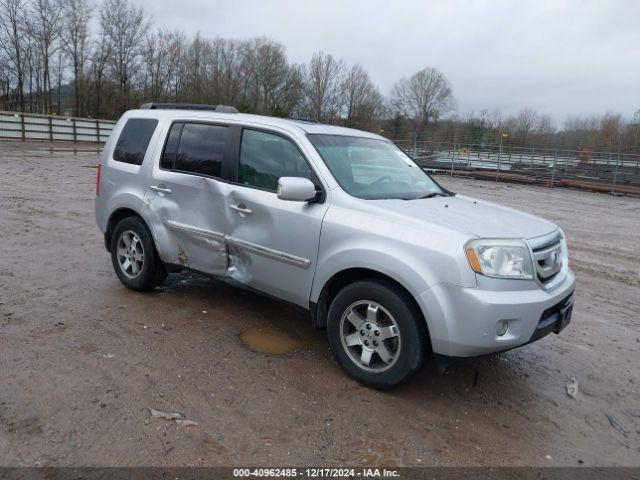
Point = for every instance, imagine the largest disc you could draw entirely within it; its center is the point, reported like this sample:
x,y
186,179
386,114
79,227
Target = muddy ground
x,y
82,359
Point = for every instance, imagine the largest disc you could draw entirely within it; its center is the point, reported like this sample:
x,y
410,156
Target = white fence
x,y
30,126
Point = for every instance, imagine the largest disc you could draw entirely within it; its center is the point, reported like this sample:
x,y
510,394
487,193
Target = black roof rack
x,y
188,106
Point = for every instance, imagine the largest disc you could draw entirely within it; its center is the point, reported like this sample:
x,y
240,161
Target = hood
x,y
468,215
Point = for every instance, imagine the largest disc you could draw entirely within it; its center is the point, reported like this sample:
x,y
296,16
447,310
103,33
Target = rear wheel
x,y
376,333
134,256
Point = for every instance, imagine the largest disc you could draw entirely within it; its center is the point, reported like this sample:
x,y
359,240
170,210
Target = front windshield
x,y
370,168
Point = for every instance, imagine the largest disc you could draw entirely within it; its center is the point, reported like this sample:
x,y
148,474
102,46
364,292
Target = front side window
x,y
373,168
265,157
134,140
200,149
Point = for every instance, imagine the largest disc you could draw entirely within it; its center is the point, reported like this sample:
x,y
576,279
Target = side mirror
x,y
296,189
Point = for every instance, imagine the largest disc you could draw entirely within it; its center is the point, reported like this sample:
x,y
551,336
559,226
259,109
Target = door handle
x,y
241,209
162,188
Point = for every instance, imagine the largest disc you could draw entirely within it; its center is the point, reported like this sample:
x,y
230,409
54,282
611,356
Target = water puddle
x,y
266,340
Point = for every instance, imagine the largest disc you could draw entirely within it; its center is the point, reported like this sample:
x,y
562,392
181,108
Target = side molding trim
x,y
242,244
268,252
195,230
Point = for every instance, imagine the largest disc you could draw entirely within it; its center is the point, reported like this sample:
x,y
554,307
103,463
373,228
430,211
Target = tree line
x,y
609,132
53,62
50,62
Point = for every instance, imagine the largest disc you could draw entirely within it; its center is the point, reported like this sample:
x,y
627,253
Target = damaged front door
x,y
273,243
187,201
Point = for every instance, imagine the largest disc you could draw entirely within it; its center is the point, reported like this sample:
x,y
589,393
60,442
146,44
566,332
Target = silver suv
x,y
338,221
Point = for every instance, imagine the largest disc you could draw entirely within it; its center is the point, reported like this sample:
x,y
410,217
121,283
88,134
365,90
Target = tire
x,y
141,273
394,358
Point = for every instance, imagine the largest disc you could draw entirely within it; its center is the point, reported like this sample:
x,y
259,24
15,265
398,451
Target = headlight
x,y
500,258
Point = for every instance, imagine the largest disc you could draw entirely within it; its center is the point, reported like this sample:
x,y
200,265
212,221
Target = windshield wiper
x,y
431,195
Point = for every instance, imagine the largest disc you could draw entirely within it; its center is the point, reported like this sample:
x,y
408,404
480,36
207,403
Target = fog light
x,y
501,327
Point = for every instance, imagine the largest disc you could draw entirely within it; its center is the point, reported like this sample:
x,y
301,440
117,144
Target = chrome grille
x,y
547,256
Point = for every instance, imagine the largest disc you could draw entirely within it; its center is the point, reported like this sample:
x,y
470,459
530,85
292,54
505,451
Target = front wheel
x,y
376,333
134,256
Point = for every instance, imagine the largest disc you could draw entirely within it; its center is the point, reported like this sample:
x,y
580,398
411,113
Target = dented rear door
x,y
186,200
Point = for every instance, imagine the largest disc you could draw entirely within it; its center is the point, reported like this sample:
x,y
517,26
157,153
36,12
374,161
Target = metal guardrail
x,y
30,126
612,172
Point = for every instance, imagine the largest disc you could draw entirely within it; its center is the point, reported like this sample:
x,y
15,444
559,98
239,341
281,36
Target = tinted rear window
x,y
171,147
134,140
201,149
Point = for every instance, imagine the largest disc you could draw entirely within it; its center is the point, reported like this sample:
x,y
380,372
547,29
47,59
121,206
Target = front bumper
x,y
463,321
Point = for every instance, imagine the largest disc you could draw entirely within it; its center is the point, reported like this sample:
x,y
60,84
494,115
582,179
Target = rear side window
x,y
200,149
171,148
134,140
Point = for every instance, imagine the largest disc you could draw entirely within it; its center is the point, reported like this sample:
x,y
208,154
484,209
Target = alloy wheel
x,y
130,254
370,336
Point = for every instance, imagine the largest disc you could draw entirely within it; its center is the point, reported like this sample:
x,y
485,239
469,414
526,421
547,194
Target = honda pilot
x,y
340,222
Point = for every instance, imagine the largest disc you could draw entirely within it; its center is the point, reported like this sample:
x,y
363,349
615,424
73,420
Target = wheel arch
x,y
346,276
115,218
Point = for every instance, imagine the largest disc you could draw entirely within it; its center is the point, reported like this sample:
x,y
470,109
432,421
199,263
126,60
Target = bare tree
x,y
125,27
175,59
525,120
362,100
423,97
322,81
45,44
163,62
75,38
480,128
254,75
5,85
12,15
197,70
59,67
101,53
293,89
544,125
520,125
158,65
226,79
611,129
45,25
634,132
267,73
33,71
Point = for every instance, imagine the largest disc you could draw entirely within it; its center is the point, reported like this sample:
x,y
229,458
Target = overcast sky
x,y
561,57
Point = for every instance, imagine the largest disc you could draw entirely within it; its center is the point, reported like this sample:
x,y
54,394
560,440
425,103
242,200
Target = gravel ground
x,y
83,359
